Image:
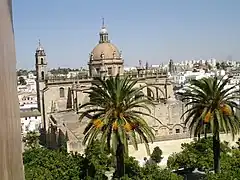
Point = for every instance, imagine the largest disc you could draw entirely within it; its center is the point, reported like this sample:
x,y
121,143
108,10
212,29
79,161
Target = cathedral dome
x,y
105,51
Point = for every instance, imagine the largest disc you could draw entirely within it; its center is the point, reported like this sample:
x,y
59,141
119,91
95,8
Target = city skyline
x,y
153,31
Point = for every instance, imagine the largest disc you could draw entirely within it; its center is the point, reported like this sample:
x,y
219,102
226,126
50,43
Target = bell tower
x,y
41,70
41,63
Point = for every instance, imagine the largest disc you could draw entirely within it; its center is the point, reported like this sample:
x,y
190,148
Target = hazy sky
x,y
152,30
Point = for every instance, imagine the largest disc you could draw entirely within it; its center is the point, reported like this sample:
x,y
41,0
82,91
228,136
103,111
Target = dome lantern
x,y
103,34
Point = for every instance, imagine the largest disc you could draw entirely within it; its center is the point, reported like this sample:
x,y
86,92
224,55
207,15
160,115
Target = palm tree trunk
x,y
216,152
205,131
120,160
11,166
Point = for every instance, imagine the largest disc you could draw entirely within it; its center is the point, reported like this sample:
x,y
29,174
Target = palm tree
x,y
11,166
116,110
212,105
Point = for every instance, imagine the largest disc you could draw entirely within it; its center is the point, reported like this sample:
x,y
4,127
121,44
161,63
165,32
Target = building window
x,y
35,117
98,70
42,75
119,70
109,71
42,61
25,118
149,94
177,131
61,91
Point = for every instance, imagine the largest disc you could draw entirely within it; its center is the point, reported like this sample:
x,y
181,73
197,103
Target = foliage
x,y
31,140
22,72
22,81
147,172
224,65
153,172
48,164
197,154
132,168
218,65
62,140
115,116
97,158
212,105
62,71
156,155
42,163
230,167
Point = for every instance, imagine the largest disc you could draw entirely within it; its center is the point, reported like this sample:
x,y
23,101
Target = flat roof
x,y
31,113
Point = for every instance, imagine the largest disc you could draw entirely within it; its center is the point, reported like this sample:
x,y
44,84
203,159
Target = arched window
x,y
42,75
119,69
110,71
61,91
42,61
150,94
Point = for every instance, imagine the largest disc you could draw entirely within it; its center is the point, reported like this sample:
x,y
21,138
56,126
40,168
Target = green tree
x,y
230,167
218,65
22,72
22,81
42,163
147,172
118,106
215,102
153,172
31,140
98,160
224,65
50,164
156,155
197,154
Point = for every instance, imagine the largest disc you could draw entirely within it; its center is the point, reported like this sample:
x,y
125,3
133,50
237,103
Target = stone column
x,y
11,165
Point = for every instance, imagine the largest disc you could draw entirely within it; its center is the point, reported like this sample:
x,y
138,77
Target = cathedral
x,y
59,98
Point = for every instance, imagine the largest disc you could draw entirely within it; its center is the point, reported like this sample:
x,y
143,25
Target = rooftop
x,y
29,113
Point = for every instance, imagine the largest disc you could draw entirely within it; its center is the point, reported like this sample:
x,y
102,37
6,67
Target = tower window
x,y
42,75
42,61
109,71
119,69
177,131
61,91
98,70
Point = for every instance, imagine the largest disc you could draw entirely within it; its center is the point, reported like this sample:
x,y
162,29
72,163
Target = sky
x,y
153,31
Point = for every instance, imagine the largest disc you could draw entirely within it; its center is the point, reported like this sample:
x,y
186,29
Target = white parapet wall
x,y
170,146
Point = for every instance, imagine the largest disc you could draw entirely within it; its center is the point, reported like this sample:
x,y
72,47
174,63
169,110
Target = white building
x,y
130,69
184,77
27,100
30,85
30,120
31,76
72,74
